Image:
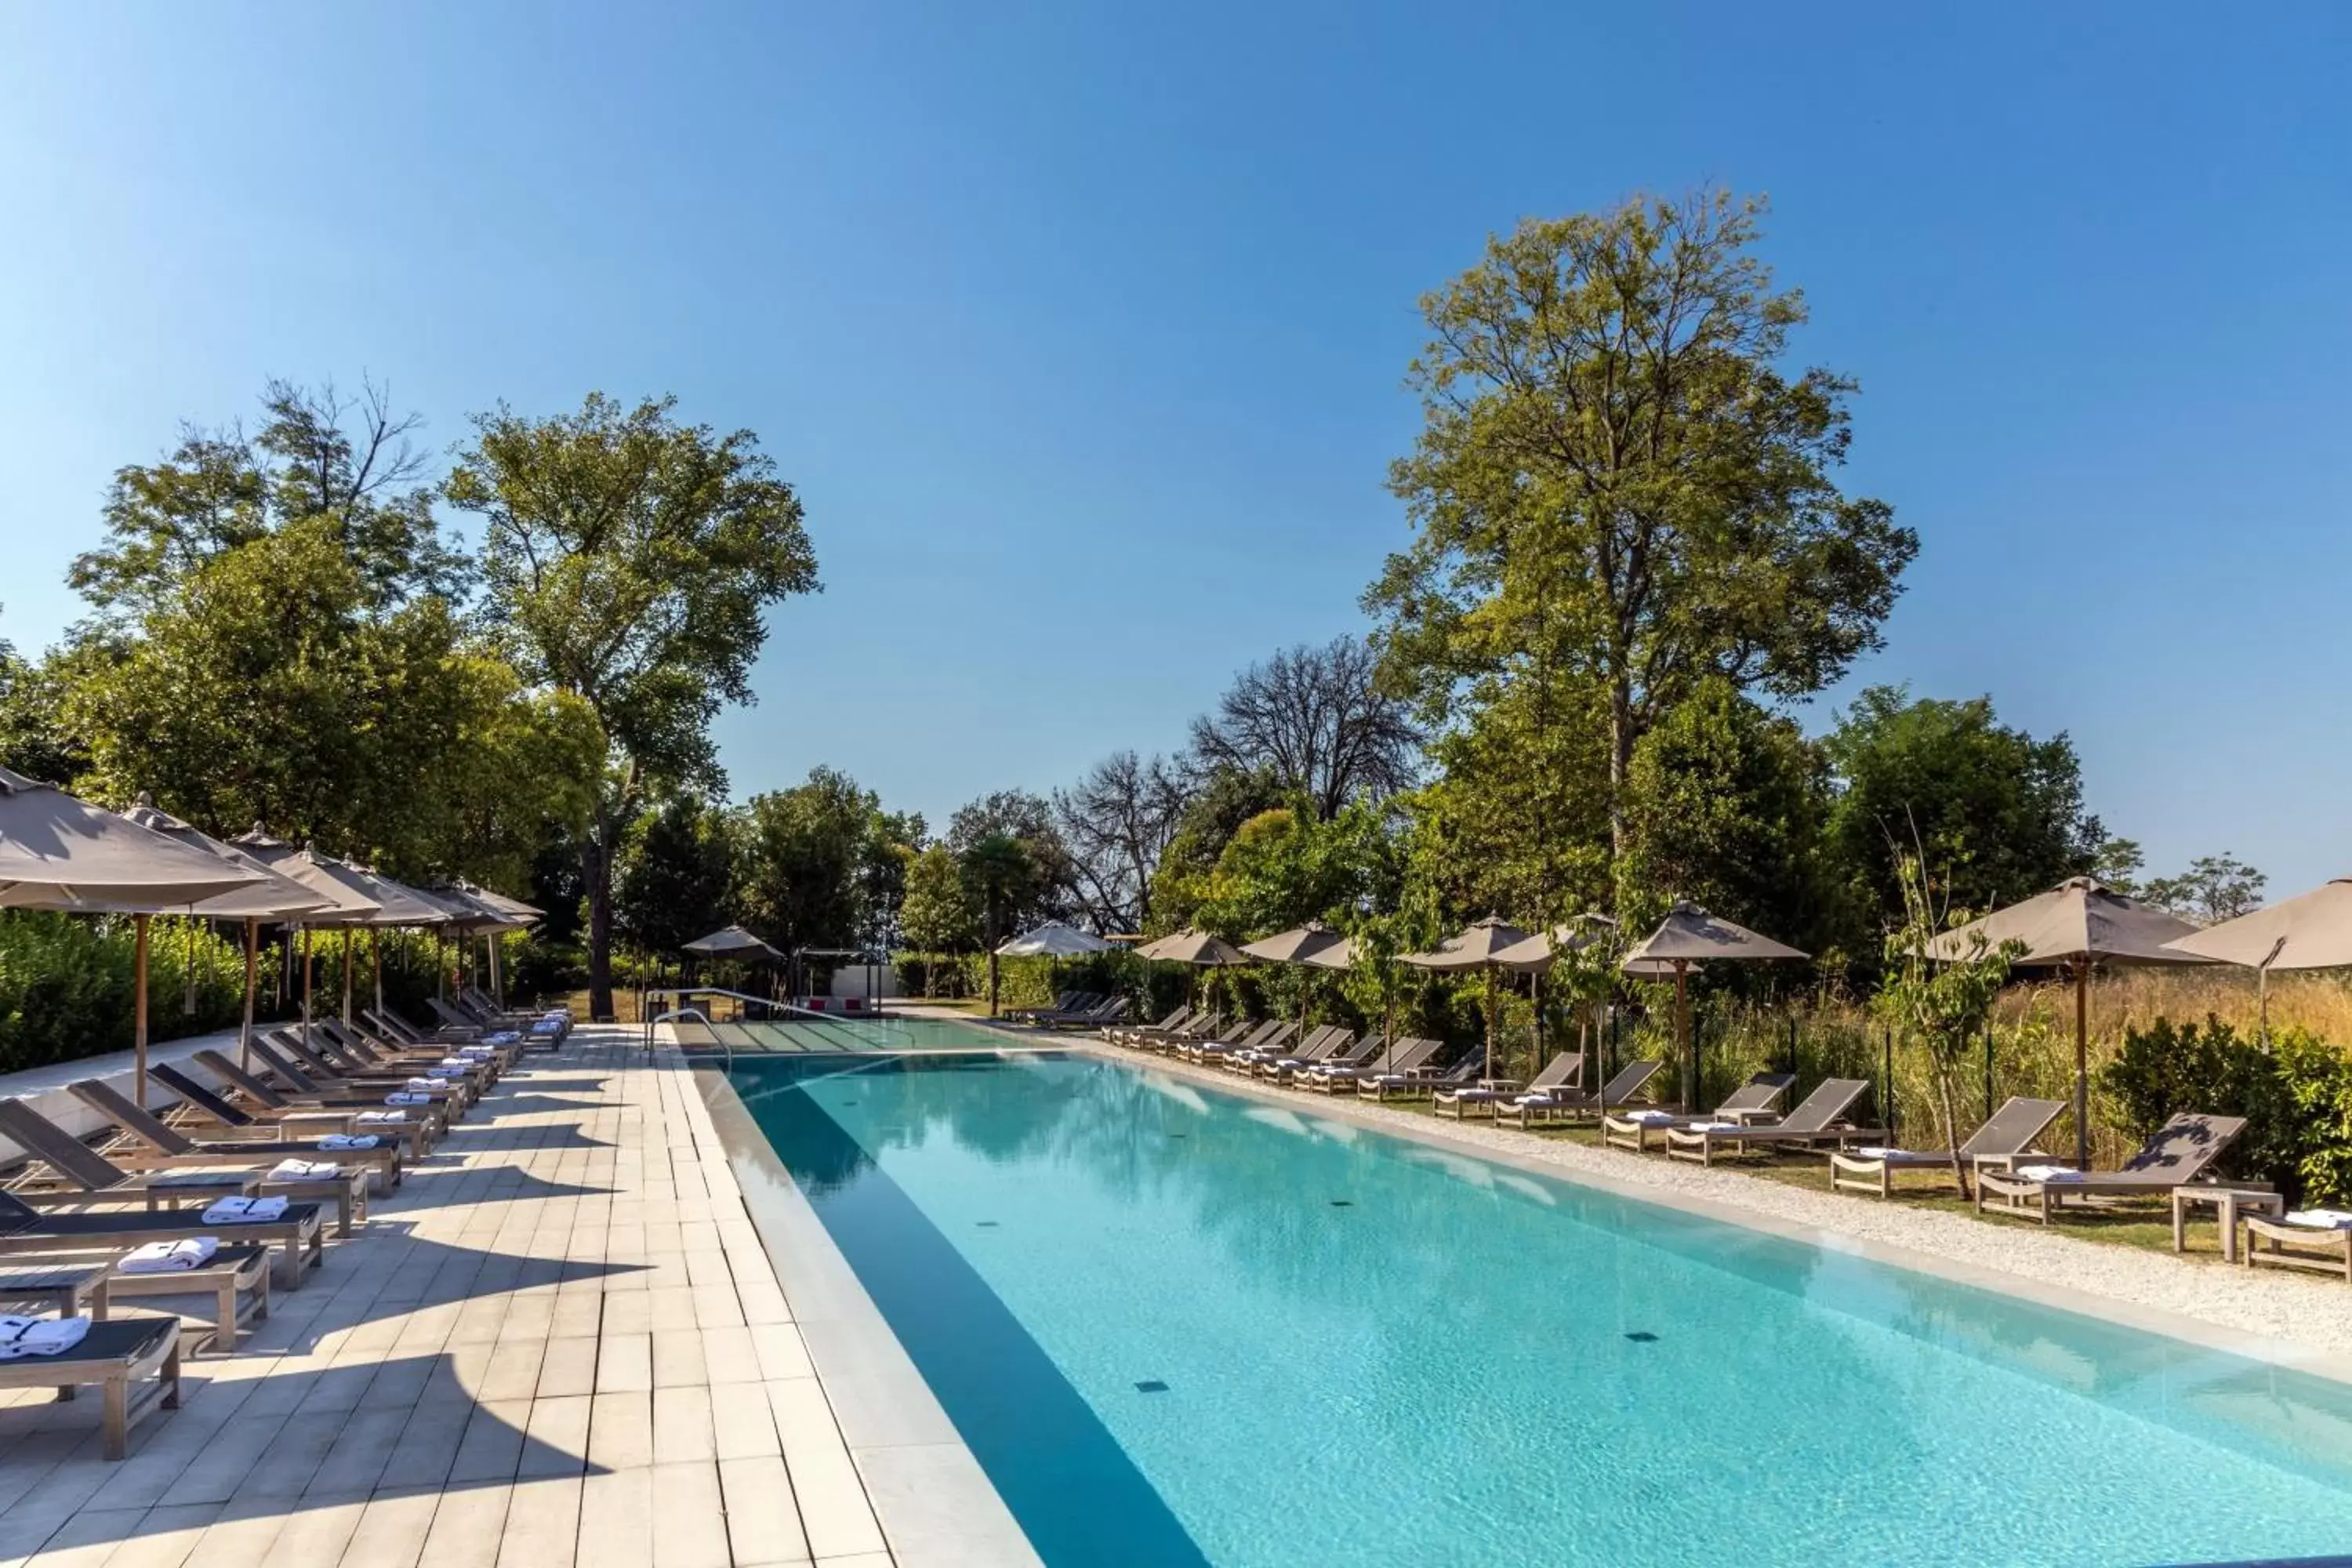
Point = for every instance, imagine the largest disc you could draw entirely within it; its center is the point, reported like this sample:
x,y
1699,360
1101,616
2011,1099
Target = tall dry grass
x,y
2032,1043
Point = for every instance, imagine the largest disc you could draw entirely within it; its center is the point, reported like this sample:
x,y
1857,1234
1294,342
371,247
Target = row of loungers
x,y
258,1156
2014,1175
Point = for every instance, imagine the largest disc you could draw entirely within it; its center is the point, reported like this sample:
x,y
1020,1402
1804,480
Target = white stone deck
x,y
561,1345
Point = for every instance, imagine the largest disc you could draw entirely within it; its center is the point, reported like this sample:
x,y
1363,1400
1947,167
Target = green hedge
x,y
67,984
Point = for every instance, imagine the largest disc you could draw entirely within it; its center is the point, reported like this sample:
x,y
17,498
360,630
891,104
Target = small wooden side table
x,y
2227,1203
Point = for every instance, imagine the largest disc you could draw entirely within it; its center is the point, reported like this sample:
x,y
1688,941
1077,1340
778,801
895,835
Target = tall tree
x,y
676,880
938,915
1002,877
804,857
1618,490
1315,719
1046,882
1999,813
1116,823
628,559
2215,888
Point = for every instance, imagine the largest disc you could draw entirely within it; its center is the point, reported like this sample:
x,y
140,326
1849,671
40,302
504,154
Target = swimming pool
x,y
1176,1326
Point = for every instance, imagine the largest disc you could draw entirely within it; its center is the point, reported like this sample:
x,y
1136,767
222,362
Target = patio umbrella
x,y
354,898
60,853
1687,936
1479,946
2074,925
1538,952
2310,931
1302,945
732,942
1053,939
1196,948
273,898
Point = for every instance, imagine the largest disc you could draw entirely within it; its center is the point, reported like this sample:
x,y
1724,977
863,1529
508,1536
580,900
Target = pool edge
x,y
934,1502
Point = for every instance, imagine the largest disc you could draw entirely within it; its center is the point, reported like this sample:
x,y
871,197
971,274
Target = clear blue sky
x,y
1080,328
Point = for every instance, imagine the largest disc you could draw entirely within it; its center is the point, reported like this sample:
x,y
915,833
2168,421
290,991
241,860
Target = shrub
x,y
2296,1099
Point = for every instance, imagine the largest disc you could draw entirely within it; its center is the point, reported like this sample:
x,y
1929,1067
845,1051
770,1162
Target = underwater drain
x,y
1152,1386
1642,1337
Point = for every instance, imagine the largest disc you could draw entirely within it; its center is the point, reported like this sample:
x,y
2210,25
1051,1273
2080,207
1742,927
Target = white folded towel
x,y
170,1256
2047,1174
1710,1127
304,1171
382,1118
503,1037
39,1336
453,1064
1649,1118
425,1085
352,1140
2321,1219
1874,1152
402,1097
547,1025
249,1211
475,1053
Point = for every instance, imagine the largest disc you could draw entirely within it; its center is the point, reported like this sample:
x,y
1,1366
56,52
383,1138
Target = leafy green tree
x,y
1943,1004
1520,806
629,559
938,915
1726,805
804,858
2002,812
2117,863
2215,888
675,881
1221,802
1618,490
1003,877
34,740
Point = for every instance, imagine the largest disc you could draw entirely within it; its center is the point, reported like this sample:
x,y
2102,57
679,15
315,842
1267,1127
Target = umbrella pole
x,y
1681,1036
347,977
2083,1064
252,964
139,1009
188,996
306,988
376,953
1492,1000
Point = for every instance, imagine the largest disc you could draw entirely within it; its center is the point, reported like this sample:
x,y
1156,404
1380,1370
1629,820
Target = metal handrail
x,y
685,992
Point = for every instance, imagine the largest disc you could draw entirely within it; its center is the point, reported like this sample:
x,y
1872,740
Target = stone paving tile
x,y
560,1345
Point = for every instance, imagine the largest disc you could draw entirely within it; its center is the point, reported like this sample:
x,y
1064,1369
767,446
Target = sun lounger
x,y
297,1232
359,1043
1126,1033
236,1278
1241,1032
1171,1042
2006,1138
2181,1151
1413,1081
1405,1057
120,1357
1324,1045
1267,1047
431,1118
1561,1103
1346,1054
266,1123
1821,1119
1067,1002
1103,1015
452,1097
318,1061
2318,1239
1752,1101
1556,1073
165,1145
91,1175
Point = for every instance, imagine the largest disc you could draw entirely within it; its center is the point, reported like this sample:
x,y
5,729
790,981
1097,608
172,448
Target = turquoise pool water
x,y
1180,1327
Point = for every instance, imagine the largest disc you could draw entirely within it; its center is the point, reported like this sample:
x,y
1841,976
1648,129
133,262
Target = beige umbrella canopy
x,y
1479,945
1312,945
60,853
272,898
2310,931
1539,951
2076,925
1689,936
1197,948
1194,947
